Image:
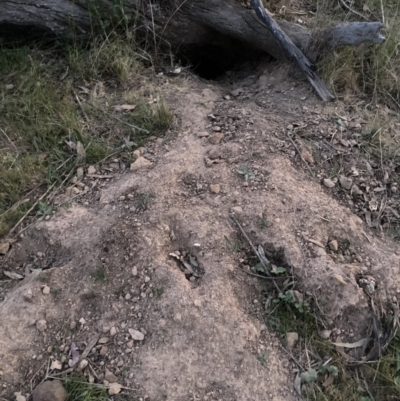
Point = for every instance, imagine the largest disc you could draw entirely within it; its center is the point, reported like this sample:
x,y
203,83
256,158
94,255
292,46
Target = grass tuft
x,y
39,114
79,389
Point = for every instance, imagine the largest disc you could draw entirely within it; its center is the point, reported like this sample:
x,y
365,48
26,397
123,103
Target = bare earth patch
x,y
107,262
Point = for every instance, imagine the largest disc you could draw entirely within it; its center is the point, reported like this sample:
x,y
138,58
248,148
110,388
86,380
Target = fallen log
x,y
186,23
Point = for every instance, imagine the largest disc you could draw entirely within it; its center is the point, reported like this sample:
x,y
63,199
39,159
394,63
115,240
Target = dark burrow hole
x,y
221,55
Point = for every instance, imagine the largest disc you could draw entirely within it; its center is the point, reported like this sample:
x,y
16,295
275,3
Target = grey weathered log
x,y
292,52
187,22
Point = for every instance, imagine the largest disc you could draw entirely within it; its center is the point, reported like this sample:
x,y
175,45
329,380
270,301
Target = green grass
x,y
79,389
39,113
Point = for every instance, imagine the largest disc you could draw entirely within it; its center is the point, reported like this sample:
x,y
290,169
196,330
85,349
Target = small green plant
x,y
263,358
245,172
235,246
43,210
100,275
288,297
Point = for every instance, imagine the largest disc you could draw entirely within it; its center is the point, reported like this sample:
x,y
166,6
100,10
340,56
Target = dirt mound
x,y
111,272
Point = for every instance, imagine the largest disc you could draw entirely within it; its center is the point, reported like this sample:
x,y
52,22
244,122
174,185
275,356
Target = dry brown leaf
x,y
4,247
328,382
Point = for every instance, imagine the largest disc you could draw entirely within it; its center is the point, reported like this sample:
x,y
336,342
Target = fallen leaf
x,y
339,278
12,275
328,382
316,242
356,344
4,247
124,107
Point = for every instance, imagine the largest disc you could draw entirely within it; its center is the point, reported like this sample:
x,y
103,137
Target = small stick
x,y
33,207
264,277
298,151
99,176
122,121
255,251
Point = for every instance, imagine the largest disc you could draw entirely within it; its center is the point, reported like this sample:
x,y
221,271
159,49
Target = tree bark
x,y
191,22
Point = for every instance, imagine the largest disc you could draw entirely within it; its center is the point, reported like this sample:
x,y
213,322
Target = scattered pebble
x,y
215,188
114,389
139,163
345,182
91,170
197,303
237,209
103,340
291,339
56,365
103,350
214,154
113,331
333,245
41,325
46,290
110,377
136,334
328,183
216,138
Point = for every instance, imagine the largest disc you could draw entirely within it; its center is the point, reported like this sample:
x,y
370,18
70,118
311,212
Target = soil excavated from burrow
x,y
108,265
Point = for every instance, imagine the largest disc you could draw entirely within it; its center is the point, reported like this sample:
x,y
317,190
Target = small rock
x,y
56,365
216,138
345,182
103,340
19,397
139,163
28,295
333,245
41,325
113,331
237,210
197,303
355,190
203,134
91,170
134,271
83,364
215,188
325,334
103,350
328,183
114,389
291,339
82,321
216,129
290,127
307,156
46,290
79,172
146,279
130,344
214,154
49,391
136,334
110,377
72,326
122,198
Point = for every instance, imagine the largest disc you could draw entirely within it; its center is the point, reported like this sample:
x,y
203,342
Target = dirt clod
x,y
49,391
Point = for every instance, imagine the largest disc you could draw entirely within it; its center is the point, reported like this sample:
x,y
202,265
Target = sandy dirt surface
x,y
169,332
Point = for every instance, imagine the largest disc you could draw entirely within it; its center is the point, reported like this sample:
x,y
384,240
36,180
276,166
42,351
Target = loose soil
x,y
106,257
